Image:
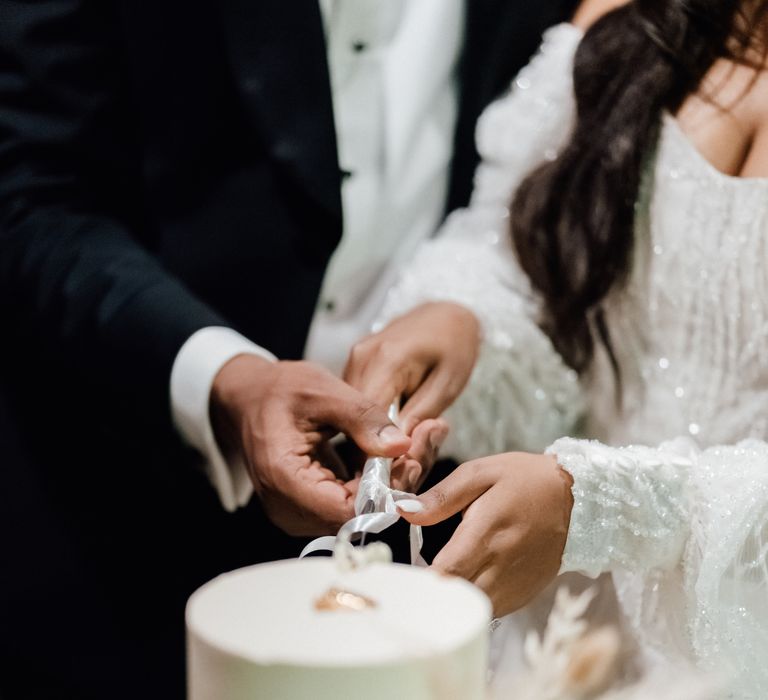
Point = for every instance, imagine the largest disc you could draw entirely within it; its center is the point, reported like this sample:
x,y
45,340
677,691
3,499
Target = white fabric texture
x,y
521,393
682,525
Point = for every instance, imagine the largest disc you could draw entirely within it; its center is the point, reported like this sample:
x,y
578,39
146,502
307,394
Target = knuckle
x,y
366,411
440,497
454,386
446,566
309,370
359,351
389,350
473,469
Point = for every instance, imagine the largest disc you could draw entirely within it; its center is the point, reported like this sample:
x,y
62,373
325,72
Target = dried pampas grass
x,y
571,662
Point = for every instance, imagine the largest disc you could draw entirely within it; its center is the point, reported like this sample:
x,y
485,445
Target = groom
x,y
174,180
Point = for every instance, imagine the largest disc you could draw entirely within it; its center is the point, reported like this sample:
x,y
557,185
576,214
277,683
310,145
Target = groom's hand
x,y
516,511
279,417
426,357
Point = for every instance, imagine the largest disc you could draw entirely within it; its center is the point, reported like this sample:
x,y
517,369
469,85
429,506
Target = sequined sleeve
x,y
631,506
681,530
521,395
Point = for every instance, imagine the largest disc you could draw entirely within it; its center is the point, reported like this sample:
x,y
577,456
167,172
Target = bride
x,y
609,281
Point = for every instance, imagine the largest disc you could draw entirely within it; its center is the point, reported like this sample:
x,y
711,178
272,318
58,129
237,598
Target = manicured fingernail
x,y
390,434
410,505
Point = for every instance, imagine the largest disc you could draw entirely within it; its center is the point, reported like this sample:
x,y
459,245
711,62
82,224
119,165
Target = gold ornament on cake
x,y
335,599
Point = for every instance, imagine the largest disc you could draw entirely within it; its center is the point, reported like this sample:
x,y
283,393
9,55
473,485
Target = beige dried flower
x,y
592,662
568,662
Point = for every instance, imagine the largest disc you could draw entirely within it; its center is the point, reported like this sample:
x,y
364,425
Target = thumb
x,y
369,426
436,393
453,494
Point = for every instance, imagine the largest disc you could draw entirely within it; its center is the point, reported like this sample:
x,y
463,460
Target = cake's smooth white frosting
x,y
256,633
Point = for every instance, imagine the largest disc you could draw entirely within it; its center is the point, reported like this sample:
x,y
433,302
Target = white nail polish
x,y
410,505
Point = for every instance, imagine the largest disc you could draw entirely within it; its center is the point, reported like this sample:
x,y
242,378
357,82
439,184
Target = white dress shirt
x,y
395,95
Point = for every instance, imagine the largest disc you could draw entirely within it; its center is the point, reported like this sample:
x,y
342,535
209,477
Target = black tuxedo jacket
x,y
164,166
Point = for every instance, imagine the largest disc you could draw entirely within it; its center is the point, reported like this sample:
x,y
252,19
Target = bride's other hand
x,y
425,356
516,511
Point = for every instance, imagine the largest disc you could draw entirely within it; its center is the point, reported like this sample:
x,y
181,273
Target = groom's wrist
x,y
194,371
235,389
195,368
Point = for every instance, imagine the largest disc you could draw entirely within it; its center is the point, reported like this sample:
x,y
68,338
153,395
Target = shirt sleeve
x,y
194,369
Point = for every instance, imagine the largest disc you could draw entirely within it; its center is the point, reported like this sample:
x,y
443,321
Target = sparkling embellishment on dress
x,y
682,524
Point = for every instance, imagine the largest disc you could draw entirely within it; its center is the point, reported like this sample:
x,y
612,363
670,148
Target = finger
x,y
360,368
365,422
368,367
320,494
384,380
312,488
310,510
357,364
435,394
406,474
302,495
384,383
398,473
462,555
327,456
426,439
453,494
353,485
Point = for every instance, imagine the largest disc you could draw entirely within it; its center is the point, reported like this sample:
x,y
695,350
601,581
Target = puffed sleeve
x,y
521,394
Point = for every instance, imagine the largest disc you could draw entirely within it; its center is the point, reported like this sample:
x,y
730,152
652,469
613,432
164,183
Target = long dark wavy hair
x,y
572,219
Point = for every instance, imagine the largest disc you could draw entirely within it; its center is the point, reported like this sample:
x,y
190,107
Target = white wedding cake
x,y
301,630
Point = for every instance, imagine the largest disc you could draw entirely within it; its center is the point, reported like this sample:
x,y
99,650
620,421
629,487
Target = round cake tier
x,y
295,630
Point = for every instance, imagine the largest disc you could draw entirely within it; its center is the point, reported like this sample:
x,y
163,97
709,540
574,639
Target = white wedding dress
x,y
681,523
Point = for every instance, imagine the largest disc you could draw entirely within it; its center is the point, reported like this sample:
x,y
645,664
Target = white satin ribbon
x,y
350,556
375,495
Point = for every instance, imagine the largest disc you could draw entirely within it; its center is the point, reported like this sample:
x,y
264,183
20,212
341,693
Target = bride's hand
x,y
425,356
517,508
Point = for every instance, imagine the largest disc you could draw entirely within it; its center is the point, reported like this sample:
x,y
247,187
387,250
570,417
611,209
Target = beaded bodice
x,y
692,325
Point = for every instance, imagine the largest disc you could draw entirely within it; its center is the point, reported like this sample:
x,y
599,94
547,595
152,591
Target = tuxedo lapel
x,y
278,57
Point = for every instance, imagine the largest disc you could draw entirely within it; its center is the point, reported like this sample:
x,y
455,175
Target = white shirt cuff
x,y
194,369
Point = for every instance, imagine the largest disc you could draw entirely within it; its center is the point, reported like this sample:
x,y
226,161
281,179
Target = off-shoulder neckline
x,y
682,137
680,133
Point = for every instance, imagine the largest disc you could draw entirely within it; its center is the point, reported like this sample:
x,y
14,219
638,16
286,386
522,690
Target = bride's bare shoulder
x,y
589,11
756,164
